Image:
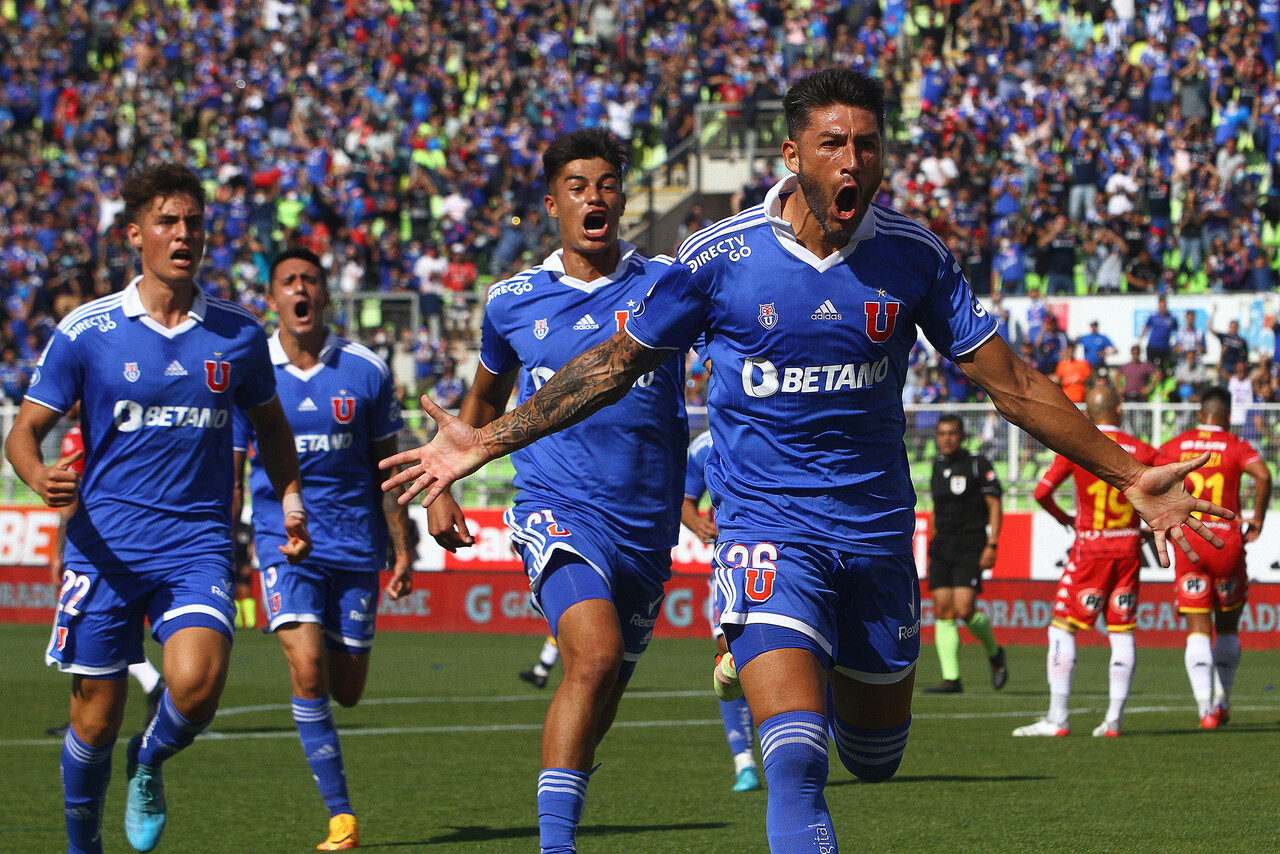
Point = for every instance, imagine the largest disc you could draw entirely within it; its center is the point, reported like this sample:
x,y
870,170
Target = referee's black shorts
x,y
953,562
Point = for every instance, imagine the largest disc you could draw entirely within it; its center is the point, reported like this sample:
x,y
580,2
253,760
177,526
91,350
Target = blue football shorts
x,y
343,602
98,628
859,614
570,560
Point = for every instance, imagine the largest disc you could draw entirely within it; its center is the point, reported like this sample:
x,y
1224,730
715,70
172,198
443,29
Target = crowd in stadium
x,y
1072,148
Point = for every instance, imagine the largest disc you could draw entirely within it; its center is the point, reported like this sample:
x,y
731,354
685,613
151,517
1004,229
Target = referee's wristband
x,y
991,545
291,504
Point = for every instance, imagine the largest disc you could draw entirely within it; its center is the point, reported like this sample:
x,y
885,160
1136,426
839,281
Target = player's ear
x,y
134,232
549,202
791,156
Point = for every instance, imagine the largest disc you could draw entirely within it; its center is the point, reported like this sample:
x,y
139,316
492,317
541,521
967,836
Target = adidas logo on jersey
x,y
826,311
307,405
586,323
175,369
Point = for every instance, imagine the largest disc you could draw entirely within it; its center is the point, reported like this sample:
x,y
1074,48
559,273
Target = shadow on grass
x,y
480,833
948,778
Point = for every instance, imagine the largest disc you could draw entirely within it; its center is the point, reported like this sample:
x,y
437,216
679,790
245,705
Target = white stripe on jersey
x,y
892,222
98,306
219,304
701,441
749,218
365,353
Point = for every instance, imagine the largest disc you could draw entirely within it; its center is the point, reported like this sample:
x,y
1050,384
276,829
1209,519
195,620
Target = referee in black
x,y
966,531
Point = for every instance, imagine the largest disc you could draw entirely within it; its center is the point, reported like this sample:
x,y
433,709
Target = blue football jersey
x,y
337,409
625,464
157,424
695,481
809,356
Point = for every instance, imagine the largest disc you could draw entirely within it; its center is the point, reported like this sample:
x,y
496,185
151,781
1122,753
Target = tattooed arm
x,y
397,527
588,383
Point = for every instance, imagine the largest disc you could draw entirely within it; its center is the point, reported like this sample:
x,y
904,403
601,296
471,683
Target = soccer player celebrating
x,y
598,507
966,523
810,302
1101,575
1211,594
340,400
158,368
734,712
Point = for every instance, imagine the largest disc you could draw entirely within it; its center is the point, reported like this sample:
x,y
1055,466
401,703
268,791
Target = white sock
x,y
745,759
146,674
550,654
1123,657
1226,660
1062,667
1199,660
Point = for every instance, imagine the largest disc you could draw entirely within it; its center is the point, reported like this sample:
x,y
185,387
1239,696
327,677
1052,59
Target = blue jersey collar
x,y
554,264
787,237
131,305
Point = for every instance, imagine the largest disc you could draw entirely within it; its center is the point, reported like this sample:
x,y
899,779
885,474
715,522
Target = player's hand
x,y
447,525
704,529
59,484
401,578
1252,530
298,546
1161,499
55,570
988,558
455,452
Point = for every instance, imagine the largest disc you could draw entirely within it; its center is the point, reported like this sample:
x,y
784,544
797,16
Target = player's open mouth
x,y
846,201
181,257
302,310
595,224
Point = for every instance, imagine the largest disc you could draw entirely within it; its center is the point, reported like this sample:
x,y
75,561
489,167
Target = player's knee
x,y
596,668
871,755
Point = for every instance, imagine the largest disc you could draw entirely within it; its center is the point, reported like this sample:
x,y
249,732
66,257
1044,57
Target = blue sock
x,y
169,732
794,745
871,755
561,794
86,771
324,754
737,725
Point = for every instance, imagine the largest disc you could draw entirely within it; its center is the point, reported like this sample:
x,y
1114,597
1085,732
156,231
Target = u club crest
x,y
344,409
540,329
768,316
131,372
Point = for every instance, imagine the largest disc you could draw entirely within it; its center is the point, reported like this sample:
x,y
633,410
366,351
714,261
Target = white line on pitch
x,y
534,727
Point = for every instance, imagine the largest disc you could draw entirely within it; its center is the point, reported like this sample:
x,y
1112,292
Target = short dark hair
x,y
951,416
158,181
301,253
831,86
1215,399
586,144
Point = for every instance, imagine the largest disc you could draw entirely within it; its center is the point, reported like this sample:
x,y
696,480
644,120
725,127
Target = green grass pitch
x,y
442,757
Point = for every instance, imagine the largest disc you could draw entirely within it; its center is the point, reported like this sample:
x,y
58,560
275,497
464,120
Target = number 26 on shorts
x,y
760,568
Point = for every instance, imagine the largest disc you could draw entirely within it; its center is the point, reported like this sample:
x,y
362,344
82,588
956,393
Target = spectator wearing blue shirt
x,y
1159,331
1096,346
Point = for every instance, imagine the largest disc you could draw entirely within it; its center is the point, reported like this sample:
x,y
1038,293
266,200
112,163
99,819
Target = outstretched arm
x,y
485,401
588,383
1028,398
